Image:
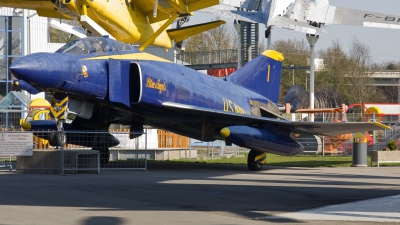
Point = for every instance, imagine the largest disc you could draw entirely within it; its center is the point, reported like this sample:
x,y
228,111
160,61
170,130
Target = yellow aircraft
x,y
141,22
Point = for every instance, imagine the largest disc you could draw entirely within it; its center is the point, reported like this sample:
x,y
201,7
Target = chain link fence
x,y
84,151
93,151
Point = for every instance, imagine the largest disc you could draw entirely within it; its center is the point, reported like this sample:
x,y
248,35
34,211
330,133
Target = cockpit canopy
x,y
96,45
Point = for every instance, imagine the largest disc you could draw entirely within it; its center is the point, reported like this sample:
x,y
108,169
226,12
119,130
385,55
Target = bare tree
x,y
332,75
348,75
358,80
222,37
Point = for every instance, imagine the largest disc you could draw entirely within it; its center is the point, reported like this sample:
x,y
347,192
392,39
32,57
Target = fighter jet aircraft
x,y
306,16
100,81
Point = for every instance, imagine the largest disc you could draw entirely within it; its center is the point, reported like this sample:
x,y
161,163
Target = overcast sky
x,y
384,43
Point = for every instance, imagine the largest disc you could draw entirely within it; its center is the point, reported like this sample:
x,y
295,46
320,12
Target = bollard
x,y
359,150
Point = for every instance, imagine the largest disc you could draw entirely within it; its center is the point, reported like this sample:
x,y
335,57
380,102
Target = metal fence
x,y
11,119
343,144
84,151
216,149
211,57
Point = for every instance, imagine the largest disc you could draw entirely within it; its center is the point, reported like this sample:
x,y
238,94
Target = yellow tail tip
x,y
225,132
274,55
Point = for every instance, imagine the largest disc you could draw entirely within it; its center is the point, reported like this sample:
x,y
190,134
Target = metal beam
x,y
213,66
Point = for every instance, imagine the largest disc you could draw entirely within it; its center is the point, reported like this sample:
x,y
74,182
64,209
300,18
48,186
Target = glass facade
x,y
11,48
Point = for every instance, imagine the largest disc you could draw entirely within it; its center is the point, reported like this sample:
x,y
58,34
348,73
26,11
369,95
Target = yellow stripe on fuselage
x,y
131,56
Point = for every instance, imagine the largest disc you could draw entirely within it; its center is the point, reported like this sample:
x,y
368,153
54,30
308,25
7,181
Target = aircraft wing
x,y
320,128
183,33
363,18
166,8
327,14
289,24
44,8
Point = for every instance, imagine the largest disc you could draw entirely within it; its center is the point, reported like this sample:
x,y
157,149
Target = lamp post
x,y
292,74
312,40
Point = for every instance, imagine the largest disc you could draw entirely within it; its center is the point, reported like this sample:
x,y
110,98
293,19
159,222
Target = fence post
x,y
221,148
61,142
9,165
145,152
190,148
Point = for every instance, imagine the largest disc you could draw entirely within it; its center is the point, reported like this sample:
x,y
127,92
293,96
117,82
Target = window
x,y
11,48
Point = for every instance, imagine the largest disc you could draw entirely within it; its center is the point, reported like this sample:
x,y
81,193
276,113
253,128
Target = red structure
x,y
221,72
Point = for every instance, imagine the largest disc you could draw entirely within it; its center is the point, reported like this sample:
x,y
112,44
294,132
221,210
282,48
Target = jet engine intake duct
x,y
124,82
270,138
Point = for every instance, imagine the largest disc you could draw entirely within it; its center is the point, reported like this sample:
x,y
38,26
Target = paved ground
x,y
180,193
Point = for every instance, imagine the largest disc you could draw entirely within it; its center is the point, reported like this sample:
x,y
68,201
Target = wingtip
x,y
383,126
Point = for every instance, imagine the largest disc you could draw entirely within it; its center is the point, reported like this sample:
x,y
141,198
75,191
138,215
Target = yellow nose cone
x,y
225,132
26,126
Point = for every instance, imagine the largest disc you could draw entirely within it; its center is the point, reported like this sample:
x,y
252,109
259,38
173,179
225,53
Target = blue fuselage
x,y
133,88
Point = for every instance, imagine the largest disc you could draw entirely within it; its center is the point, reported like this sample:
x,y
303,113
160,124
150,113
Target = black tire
x,y
251,163
61,138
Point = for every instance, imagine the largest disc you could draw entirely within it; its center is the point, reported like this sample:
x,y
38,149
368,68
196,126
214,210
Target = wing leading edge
x,y
183,33
318,128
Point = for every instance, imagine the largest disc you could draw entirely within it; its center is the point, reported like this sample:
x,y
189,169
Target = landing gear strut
x,y
104,156
256,160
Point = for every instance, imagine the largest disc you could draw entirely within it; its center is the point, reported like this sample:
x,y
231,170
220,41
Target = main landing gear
x,y
256,160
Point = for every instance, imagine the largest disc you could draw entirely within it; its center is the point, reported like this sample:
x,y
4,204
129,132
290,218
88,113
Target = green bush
x,y
392,145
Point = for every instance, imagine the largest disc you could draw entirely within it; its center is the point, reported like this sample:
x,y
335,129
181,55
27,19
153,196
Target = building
x,y
22,32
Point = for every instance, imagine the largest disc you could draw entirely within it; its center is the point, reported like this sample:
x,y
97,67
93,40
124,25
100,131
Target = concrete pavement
x,y
194,193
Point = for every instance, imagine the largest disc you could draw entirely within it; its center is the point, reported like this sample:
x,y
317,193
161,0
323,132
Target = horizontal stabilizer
x,y
183,33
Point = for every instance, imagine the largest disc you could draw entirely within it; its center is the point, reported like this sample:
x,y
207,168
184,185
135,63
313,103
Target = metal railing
x,y
211,57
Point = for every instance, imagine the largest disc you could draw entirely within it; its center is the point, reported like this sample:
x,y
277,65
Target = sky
x,y
384,44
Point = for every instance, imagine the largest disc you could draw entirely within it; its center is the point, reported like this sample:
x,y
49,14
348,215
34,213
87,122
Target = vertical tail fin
x,y
261,75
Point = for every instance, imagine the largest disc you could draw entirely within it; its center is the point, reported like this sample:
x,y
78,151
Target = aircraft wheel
x,y
256,160
61,138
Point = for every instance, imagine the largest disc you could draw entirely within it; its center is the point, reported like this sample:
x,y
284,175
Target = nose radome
x,y
28,66
44,70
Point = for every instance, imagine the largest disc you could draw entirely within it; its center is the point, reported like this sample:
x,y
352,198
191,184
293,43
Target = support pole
x,y
248,41
158,32
312,40
239,32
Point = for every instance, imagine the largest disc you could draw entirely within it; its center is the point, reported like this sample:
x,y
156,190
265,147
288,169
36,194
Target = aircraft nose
x,y
45,70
